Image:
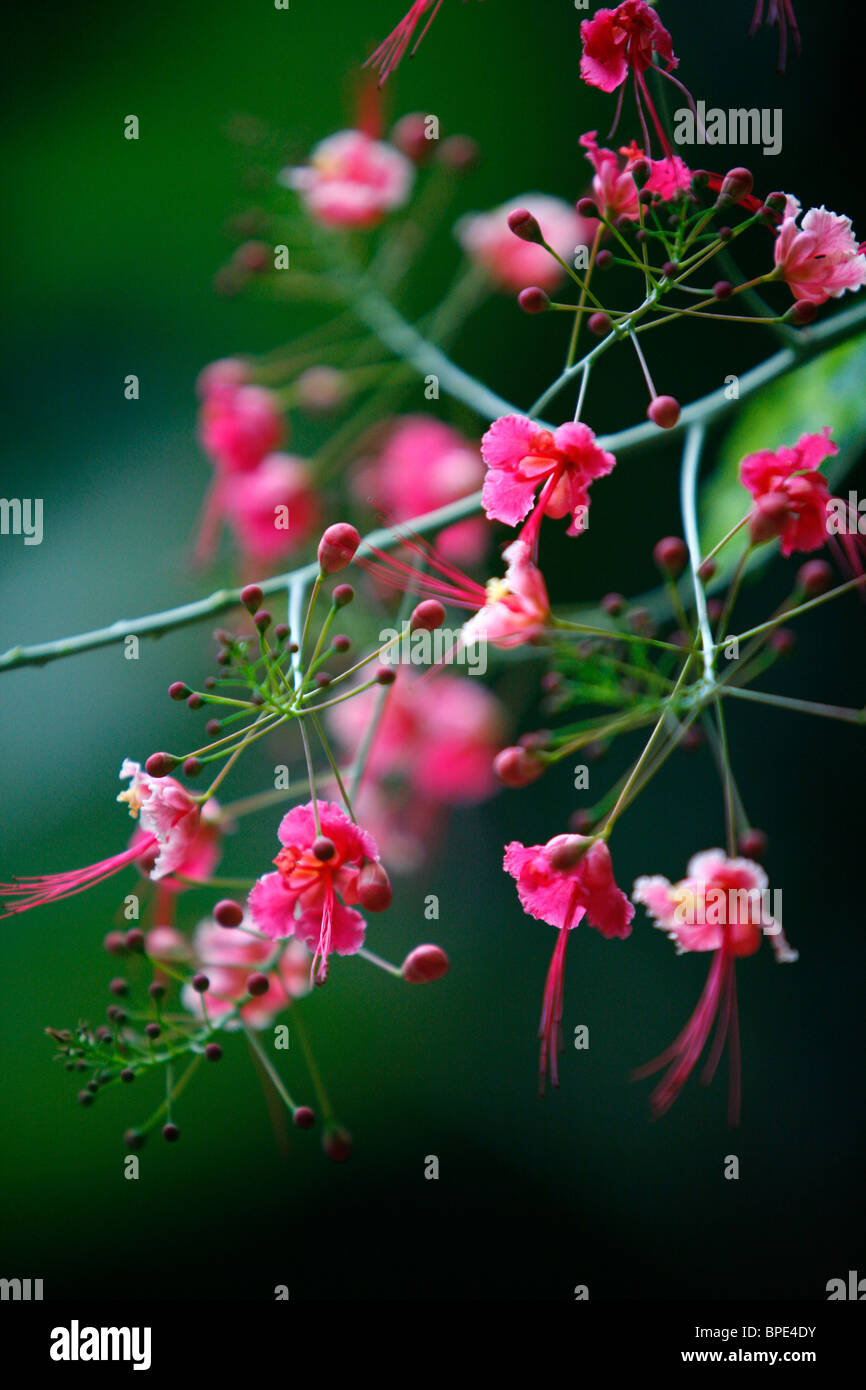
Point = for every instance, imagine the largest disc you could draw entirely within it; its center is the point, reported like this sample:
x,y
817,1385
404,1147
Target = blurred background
x,y
111,248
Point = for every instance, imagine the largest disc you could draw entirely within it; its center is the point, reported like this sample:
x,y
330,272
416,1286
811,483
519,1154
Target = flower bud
x,y
753,844
533,300
801,313
722,289
769,515
614,604
522,223
411,138
228,913
427,616
664,411
517,767
569,852
320,390
257,984
671,555
192,767
262,619
160,764
303,1117
599,324
178,691
386,675
337,547
586,207
459,152
640,171
374,887
200,983
814,578
425,964
251,597
337,1144
783,641
170,1133
213,1052
324,849
343,594
604,259
737,184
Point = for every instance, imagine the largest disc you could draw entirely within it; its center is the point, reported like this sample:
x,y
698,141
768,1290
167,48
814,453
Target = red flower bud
x,y
517,767
337,547
425,964
228,913
374,887
737,184
427,616
814,578
671,556
522,223
664,411
533,300
251,597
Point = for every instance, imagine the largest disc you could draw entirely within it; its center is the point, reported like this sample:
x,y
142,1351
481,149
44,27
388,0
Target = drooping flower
x,y
169,820
228,956
720,906
316,864
790,494
424,464
238,425
780,13
621,40
513,264
271,510
569,878
821,259
352,180
522,457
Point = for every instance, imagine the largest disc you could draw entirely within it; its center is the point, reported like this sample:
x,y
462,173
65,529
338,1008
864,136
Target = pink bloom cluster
x,y
228,956
352,180
790,494
613,185
267,497
421,465
433,748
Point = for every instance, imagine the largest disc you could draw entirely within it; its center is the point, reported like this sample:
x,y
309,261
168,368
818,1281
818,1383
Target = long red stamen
x,y
52,888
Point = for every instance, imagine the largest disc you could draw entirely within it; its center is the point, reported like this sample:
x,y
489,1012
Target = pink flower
x,y
507,612
169,821
238,427
821,259
513,264
613,185
668,177
228,956
521,457
271,510
439,735
353,180
300,899
422,465
615,41
569,878
719,906
788,488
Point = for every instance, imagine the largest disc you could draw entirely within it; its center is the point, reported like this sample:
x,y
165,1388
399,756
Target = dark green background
x,y
110,247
